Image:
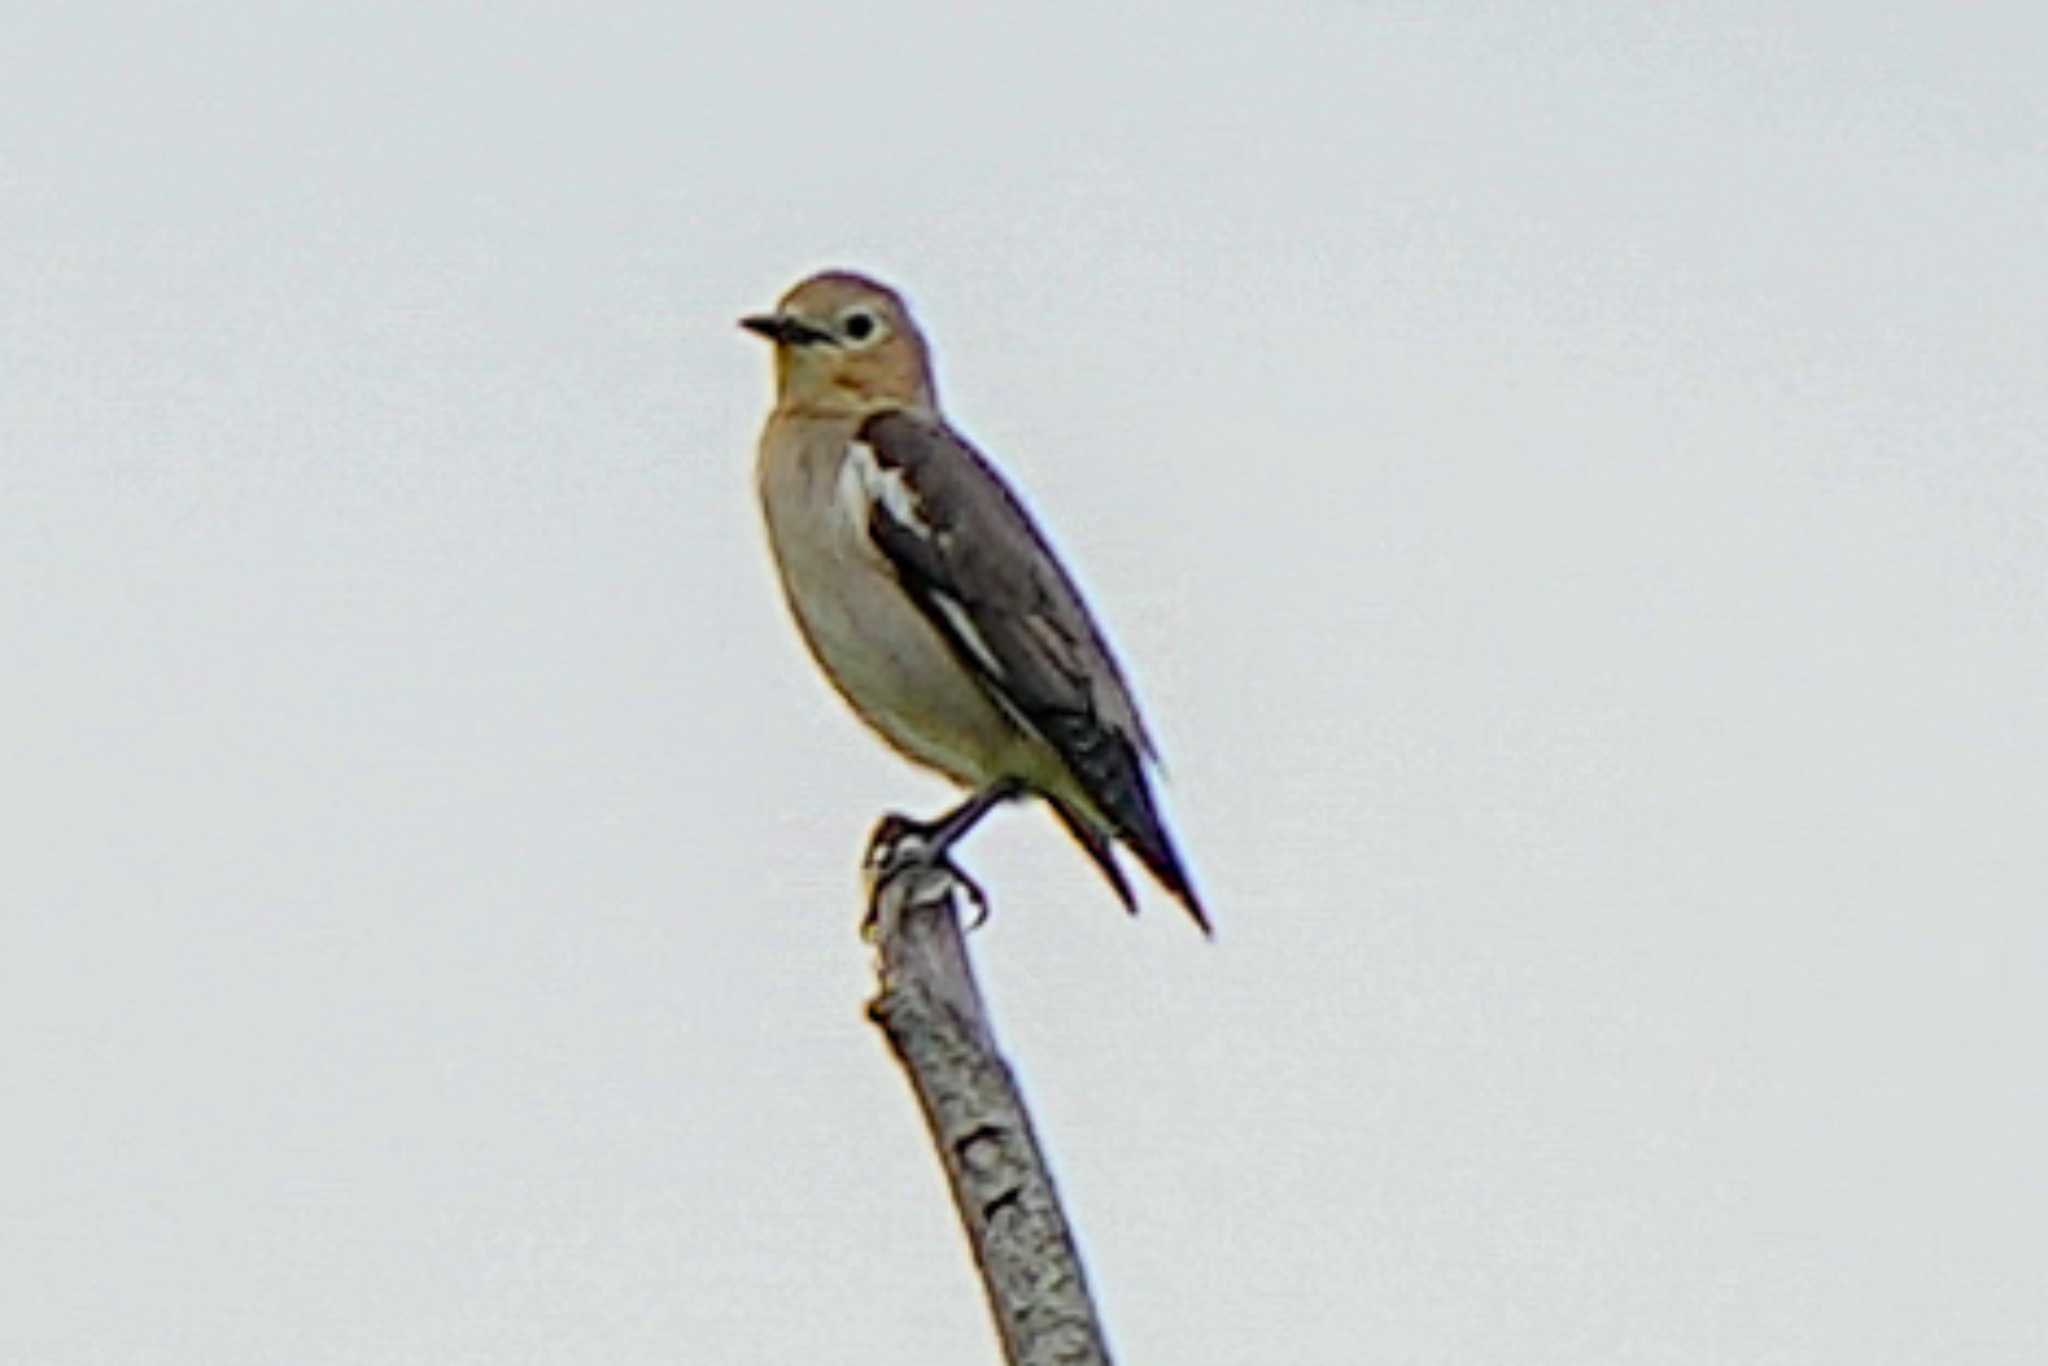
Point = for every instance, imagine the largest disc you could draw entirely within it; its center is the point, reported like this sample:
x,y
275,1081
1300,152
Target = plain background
x,y
1569,483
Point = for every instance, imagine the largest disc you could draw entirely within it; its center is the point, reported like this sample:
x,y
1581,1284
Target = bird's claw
x,y
900,847
974,894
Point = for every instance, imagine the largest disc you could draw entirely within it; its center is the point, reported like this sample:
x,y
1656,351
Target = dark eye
x,y
860,326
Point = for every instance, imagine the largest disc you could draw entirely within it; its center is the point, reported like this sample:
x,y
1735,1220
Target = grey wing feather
x,y
988,572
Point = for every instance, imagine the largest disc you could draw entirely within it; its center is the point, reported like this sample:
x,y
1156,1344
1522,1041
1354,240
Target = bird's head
x,y
845,344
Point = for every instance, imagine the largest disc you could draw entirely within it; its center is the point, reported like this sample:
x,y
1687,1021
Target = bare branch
x,y
931,1011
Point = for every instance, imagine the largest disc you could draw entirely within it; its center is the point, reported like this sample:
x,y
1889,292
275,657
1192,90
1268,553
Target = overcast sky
x,y
1569,484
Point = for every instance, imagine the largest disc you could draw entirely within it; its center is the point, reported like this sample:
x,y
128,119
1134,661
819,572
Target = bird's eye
x,y
860,326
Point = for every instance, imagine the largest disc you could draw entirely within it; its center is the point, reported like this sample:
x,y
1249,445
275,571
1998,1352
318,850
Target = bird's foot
x,y
901,847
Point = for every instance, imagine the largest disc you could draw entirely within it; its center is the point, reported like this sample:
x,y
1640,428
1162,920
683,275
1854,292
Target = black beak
x,y
784,330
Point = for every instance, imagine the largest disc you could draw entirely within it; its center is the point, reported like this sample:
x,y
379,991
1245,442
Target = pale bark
x,y
932,1013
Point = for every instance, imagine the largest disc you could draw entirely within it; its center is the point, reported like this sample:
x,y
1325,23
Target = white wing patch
x,y
864,482
963,627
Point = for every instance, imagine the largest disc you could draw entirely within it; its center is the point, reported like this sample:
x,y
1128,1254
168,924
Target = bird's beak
x,y
784,330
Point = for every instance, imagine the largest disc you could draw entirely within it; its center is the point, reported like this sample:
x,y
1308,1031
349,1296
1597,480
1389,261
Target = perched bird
x,y
928,596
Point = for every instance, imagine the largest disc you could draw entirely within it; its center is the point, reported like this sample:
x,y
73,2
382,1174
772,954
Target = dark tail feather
x,y
1112,773
1098,849
1155,851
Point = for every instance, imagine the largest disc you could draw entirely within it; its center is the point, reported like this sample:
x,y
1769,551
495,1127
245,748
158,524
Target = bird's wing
x,y
970,557
965,549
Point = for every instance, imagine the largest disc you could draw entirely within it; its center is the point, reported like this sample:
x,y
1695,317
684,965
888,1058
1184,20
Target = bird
x,y
929,597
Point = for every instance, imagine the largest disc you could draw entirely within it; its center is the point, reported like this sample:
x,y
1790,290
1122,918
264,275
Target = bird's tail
x,y
1147,839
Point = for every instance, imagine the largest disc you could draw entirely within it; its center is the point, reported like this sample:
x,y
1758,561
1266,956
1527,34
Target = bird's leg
x,y
948,829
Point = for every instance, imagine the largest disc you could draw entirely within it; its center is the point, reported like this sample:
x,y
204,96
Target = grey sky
x,y
1569,484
